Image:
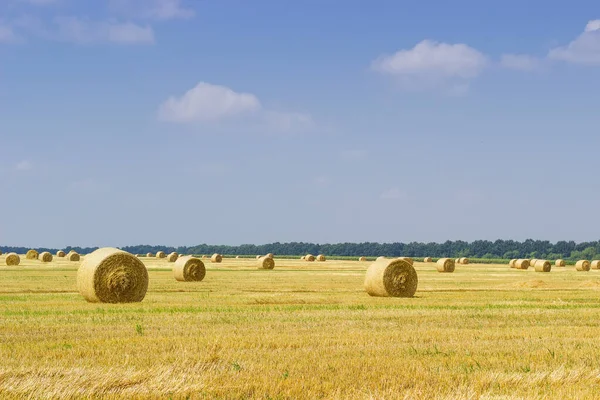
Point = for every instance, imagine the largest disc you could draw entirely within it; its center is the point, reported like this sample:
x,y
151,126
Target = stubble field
x,y
302,330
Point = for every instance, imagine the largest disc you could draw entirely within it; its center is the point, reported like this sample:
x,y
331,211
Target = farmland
x,y
302,330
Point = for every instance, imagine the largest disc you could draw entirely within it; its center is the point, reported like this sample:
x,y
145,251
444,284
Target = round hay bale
x,y
457,261
542,266
45,257
0,252
257,257
321,258
464,260
583,265
407,259
266,263
270,255
73,256
12,259
428,259
362,258
532,262
445,265
149,255
160,254
560,263
302,258
216,258
391,278
60,254
237,257
172,257
309,257
110,275
522,264
32,255
380,258
204,256
595,264
189,269
512,263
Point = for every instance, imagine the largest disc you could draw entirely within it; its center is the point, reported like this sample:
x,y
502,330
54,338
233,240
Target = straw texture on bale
x,y
270,255
391,278
149,255
110,275
216,258
445,265
560,263
380,258
160,254
542,266
407,259
60,254
0,252
583,265
457,261
73,256
428,259
302,258
189,269
464,260
309,257
172,257
321,258
362,259
32,255
45,257
522,264
532,262
512,263
266,263
12,259
595,264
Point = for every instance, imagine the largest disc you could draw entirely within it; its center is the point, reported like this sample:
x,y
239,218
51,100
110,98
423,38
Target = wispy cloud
x,y
585,49
152,9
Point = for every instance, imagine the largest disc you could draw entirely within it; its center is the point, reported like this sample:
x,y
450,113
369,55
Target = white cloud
x,y
393,194
24,165
432,64
521,62
207,102
84,31
152,9
585,49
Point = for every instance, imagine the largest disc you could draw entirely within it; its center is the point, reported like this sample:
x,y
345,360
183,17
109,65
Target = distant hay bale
x,y
595,264
110,275
149,255
445,265
560,263
362,258
0,252
407,259
391,278
203,256
266,263
270,255
172,257
457,261
532,262
60,254
302,258
309,257
73,256
12,259
160,254
257,257
542,266
45,257
237,257
583,265
321,258
189,269
428,259
464,261
522,264
512,263
216,258
380,258
32,255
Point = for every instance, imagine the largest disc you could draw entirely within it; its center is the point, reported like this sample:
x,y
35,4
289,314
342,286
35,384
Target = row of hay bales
x,y
311,258
546,266
13,259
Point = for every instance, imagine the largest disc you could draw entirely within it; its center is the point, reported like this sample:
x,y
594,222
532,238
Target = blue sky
x,y
182,122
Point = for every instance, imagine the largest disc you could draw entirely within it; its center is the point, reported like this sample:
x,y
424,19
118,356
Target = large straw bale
x,y
380,258
595,264
512,263
216,258
428,259
110,275
522,264
32,255
464,261
266,263
542,266
560,263
73,256
189,269
45,257
391,278
407,259
445,265
583,265
321,257
160,254
60,254
172,257
309,257
362,258
12,259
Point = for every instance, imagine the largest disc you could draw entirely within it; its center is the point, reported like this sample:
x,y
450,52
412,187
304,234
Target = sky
x,y
179,122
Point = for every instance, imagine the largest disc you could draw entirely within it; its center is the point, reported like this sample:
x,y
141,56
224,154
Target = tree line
x,y
485,249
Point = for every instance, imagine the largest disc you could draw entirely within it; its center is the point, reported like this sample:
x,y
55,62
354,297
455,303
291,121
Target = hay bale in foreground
x,y
149,255
309,257
189,269
32,255
407,259
583,265
522,264
12,259
160,254
266,263
172,257
560,263
216,258
60,254
362,258
428,259
542,266
391,278
45,257
321,258
445,265
110,275
73,256
512,263
595,264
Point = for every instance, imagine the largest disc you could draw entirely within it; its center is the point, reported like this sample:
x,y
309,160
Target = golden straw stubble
x,y
445,265
189,269
542,266
12,259
266,263
391,278
110,275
